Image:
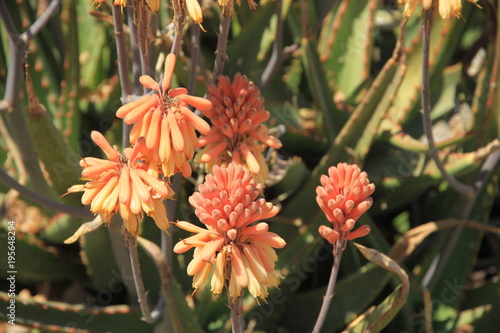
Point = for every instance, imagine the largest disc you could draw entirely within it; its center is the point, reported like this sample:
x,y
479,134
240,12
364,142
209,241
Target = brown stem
x,y
329,290
131,242
220,54
237,319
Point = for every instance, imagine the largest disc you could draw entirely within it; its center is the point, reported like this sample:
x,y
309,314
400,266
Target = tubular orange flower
x,y
166,122
238,134
344,196
446,8
122,184
242,253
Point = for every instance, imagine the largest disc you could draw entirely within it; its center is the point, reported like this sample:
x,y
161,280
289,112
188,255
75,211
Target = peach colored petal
x,y
360,232
101,141
139,186
137,113
200,124
269,238
175,132
168,72
252,163
97,170
214,151
125,109
148,82
124,186
200,103
177,91
153,134
238,266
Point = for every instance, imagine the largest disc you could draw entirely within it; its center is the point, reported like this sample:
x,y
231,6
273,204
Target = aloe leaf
x,y
61,162
64,317
242,52
353,135
376,318
345,44
318,85
50,263
353,294
481,306
180,317
445,36
97,256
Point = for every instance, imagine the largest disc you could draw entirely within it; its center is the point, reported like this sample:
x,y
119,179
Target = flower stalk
x,y
330,289
131,242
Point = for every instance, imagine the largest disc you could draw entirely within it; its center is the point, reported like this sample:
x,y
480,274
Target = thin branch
x,y
136,54
195,55
131,242
41,21
177,41
142,37
329,290
426,106
277,56
439,261
121,53
41,199
220,53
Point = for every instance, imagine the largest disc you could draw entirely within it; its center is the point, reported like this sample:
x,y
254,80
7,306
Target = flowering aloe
x,y
446,8
166,122
238,134
344,196
122,184
242,252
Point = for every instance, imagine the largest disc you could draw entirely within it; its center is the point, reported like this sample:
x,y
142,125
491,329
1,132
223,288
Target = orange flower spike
x,y
237,115
123,186
166,123
242,253
344,196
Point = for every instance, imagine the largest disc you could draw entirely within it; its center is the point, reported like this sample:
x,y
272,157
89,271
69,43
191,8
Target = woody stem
x,y
220,54
131,242
329,289
236,314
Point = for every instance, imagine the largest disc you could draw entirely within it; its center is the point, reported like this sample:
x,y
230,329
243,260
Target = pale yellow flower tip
x,y
194,11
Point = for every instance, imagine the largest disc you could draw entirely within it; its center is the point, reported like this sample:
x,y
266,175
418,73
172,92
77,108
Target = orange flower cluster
x,y
344,196
166,122
243,254
122,184
446,8
153,5
238,134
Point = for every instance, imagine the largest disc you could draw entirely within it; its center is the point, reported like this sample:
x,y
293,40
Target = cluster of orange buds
x,y
122,184
238,134
242,252
344,195
166,122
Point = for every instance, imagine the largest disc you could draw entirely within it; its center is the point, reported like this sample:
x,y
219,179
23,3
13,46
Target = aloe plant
x,y
343,81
